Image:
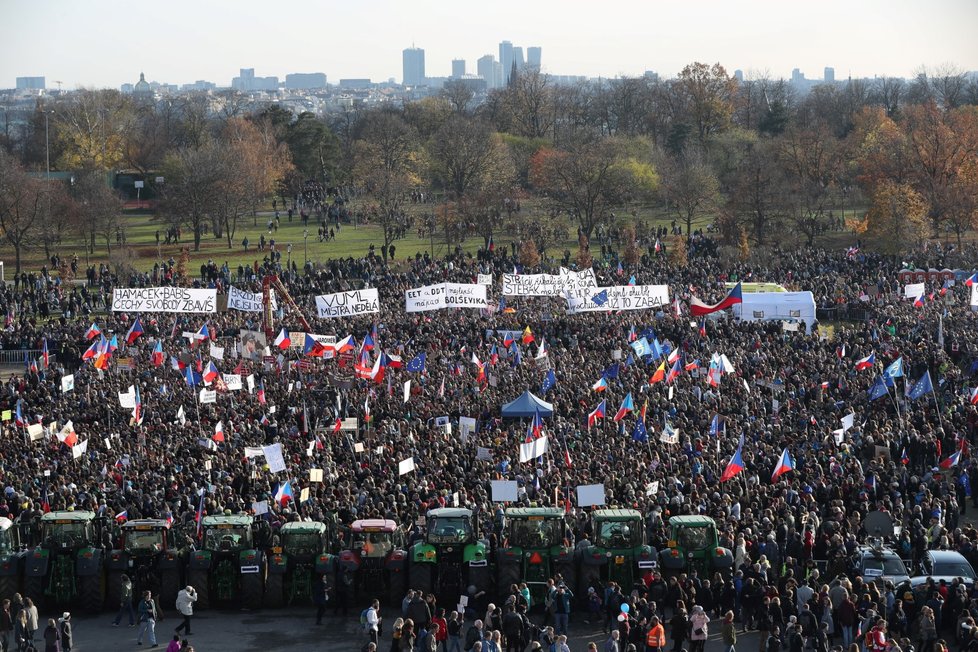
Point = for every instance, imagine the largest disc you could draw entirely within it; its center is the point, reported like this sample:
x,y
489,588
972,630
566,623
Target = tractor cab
x,y
230,565
693,543
375,538
149,554
535,548
68,564
376,557
301,558
617,552
451,557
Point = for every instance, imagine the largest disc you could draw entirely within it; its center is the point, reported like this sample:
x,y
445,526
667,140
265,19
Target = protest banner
x,y
485,279
590,495
164,299
67,383
445,295
232,381
274,458
617,297
405,466
248,301
504,491
348,304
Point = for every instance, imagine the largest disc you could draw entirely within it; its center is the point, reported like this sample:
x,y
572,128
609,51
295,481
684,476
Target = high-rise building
x,y
305,80
797,76
829,75
413,67
534,55
739,75
458,68
505,61
30,83
485,67
518,58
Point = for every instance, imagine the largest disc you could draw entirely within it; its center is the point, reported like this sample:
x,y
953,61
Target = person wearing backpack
x,y
370,621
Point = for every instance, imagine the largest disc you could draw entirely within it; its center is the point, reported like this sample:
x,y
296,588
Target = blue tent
x,y
526,406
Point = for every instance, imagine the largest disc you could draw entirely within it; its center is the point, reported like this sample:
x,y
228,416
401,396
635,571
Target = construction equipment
x,y
535,548
377,559
68,564
300,558
618,552
11,559
230,566
270,282
452,556
151,554
692,544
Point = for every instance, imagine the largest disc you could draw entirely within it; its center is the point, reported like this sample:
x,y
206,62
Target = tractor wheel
x,y
398,585
169,586
198,580
251,590
8,586
274,592
506,576
34,589
113,589
91,591
422,577
588,577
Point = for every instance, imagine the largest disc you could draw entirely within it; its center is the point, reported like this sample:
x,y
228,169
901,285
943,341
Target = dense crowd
x,y
788,390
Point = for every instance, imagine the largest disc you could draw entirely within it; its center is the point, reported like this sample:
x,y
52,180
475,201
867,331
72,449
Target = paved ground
x,y
268,631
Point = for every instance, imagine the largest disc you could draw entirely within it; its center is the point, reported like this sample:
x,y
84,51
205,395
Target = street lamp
x,y
305,247
289,249
47,144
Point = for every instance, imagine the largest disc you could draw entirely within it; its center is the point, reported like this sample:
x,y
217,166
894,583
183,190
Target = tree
x,y
678,254
587,179
529,254
459,94
757,199
690,187
315,149
192,180
463,155
93,125
812,160
22,206
897,217
631,252
99,207
707,93
529,100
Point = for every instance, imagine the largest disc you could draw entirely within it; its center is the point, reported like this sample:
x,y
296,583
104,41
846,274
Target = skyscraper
x,y
413,67
458,68
534,55
486,68
829,75
518,57
505,61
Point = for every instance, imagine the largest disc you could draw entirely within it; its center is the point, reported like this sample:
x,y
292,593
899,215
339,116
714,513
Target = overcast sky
x,y
101,43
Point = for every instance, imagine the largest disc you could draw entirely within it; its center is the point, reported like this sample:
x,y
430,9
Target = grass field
x,y
351,241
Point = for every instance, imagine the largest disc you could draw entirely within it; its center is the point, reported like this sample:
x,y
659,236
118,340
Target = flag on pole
x,y
284,493
598,413
156,359
218,431
736,463
659,375
785,464
283,341
601,385
134,331
417,364
867,362
921,387
698,308
92,331
627,405
549,381
640,433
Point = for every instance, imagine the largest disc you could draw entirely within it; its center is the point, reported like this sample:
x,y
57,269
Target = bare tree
x,y
22,206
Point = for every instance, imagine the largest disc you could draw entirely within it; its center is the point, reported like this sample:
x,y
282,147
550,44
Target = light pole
x,y
47,145
289,262
305,247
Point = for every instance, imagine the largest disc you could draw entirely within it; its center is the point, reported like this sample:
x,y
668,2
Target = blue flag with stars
x,y
921,387
639,433
417,364
549,381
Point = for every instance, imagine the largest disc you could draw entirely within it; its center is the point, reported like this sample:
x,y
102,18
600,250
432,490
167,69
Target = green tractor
x,y
11,559
230,566
693,544
451,557
618,552
150,554
374,554
536,547
300,558
67,565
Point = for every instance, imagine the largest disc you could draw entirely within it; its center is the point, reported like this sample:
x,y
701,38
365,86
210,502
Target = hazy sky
x,y
102,43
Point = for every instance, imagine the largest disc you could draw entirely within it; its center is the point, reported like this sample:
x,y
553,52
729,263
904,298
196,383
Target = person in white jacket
x,y
185,605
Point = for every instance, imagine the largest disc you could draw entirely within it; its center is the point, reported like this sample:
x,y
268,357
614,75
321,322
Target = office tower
x,y
739,75
797,76
413,67
485,67
533,57
518,58
829,75
505,61
30,83
458,68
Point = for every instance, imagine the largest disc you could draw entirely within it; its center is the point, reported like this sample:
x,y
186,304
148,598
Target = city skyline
x,y
875,38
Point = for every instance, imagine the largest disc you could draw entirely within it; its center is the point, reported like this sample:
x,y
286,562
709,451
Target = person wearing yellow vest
x,y
655,641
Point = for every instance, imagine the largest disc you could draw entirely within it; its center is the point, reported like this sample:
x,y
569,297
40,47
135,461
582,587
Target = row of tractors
x,y
78,558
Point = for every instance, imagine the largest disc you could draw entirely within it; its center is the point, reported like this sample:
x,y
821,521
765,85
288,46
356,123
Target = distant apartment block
x,y
305,80
413,60
30,84
458,68
247,81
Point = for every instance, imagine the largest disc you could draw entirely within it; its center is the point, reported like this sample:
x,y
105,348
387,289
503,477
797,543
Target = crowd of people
x,y
788,390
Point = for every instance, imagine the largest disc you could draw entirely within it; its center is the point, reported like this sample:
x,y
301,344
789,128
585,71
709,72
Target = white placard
x,y
445,295
260,507
208,396
36,431
254,451
405,466
67,383
548,285
164,299
274,458
108,442
504,491
358,447
483,454
79,449
974,294
534,449
128,399
232,381
590,495
485,279
848,421
315,475
348,304
466,427
914,290
617,297
251,383
248,301
217,352
407,390
652,488
667,438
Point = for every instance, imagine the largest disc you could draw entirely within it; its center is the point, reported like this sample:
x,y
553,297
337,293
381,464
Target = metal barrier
x,y
17,356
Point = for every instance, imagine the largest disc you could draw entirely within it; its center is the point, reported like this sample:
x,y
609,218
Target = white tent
x,y
786,306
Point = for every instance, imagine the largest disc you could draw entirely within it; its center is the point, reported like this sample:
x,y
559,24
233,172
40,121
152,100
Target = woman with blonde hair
x,y
396,635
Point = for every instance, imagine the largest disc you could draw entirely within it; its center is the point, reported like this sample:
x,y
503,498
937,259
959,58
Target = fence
x,y
17,356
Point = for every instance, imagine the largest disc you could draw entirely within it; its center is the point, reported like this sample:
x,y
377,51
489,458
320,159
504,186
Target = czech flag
x,y
867,362
92,331
137,410
90,352
598,413
904,458
113,344
200,336
695,364
973,399
218,431
919,302
134,331
955,459
601,385
368,342
211,372
659,375
348,343
784,465
698,308
973,279
284,493
122,516
627,406
536,427
674,372
282,341
735,465
19,416
157,356
313,347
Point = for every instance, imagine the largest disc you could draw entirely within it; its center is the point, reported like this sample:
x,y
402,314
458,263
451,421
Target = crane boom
x,y
272,281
